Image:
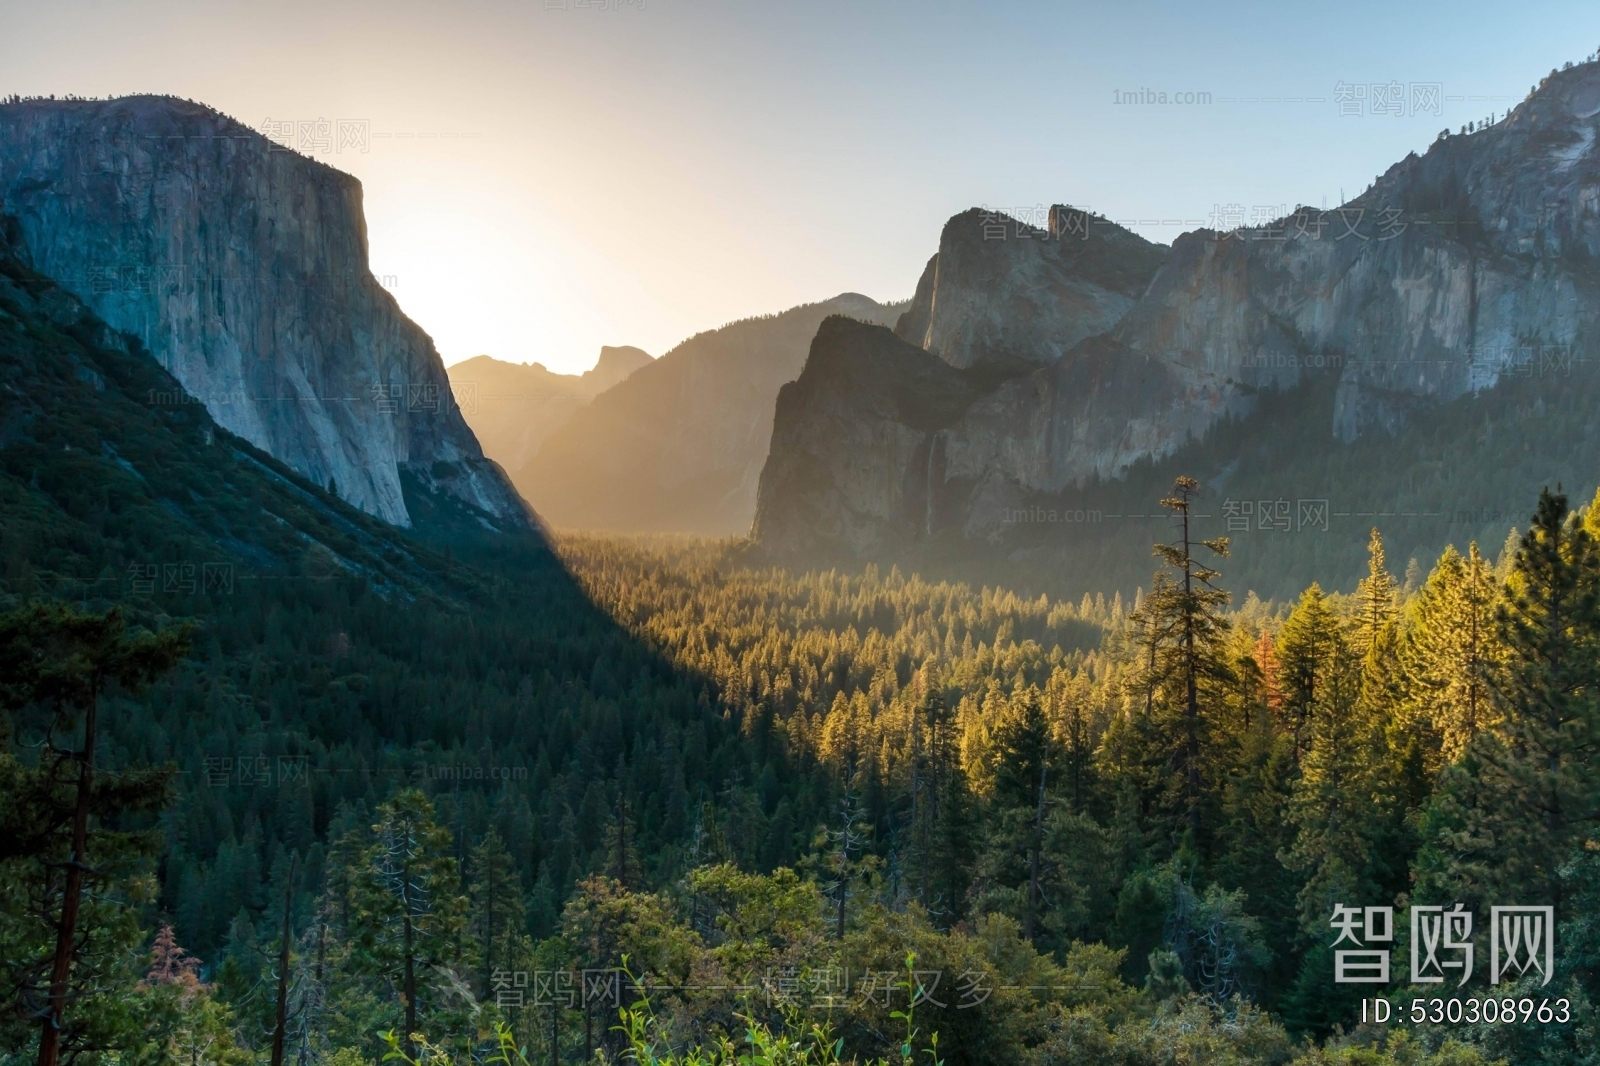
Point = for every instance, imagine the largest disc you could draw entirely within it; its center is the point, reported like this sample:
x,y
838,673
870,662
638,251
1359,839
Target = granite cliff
x,y
1001,291
242,267
867,393
1474,262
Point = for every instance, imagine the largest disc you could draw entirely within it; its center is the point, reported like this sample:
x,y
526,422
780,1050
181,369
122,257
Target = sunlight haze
x,y
544,177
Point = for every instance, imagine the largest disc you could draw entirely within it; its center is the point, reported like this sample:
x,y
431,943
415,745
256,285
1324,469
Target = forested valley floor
x,y
1083,862
281,783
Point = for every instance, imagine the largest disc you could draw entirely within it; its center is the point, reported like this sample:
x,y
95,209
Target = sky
x,y
543,177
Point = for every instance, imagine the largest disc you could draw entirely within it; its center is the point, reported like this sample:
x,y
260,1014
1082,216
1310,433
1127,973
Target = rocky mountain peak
x,y
1002,290
680,443
242,266
614,364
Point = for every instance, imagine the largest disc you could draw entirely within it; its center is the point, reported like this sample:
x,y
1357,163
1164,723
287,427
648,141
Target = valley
x,y
1118,653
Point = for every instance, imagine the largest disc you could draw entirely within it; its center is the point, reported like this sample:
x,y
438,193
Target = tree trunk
x,y
1038,843
488,929
919,836
1191,710
411,959
844,887
280,1019
71,896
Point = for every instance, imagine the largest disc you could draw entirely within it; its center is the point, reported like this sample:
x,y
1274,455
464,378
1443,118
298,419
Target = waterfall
x,y
927,508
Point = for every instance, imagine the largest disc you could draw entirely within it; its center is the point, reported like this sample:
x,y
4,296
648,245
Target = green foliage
x,y
1401,1049
407,912
71,879
1115,831
1527,793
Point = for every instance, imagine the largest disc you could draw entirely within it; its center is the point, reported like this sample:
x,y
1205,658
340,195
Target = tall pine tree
x,y
407,912
1190,609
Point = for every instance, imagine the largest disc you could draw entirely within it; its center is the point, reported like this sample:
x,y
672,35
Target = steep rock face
x,y
513,407
1476,261
243,269
855,449
1088,416
680,443
1002,291
1457,267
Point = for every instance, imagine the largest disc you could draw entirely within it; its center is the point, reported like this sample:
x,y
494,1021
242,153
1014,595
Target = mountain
x,y
100,488
864,391
242,267
1001,290
616,362
342,654
1469,270
513,407
995,312
679,444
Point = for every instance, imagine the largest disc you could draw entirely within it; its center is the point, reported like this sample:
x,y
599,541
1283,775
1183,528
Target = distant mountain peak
x,y
513,407
615,364
679,444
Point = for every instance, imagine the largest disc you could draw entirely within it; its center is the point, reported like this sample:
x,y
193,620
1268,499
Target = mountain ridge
x,y
1470,265
513,407
1001,290
679,444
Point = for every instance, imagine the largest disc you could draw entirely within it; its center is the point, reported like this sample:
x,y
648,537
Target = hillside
x,y
679,445
329,641
664,759
513,407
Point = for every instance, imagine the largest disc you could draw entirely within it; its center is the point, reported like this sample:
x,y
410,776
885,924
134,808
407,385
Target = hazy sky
x,y
547,176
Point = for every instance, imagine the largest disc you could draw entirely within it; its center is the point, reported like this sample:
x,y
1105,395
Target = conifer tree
x,y
497,917
1513,810
1549,624
1270,667
1447,654
1331,806
1310,648
1376,638
846,839
1189,608
1375,600
65,660
1152,631
934,760
1021,791
407,911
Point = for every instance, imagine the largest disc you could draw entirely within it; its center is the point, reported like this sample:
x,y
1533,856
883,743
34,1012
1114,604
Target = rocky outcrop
x,y
1089,416
513,407
1457,267
1474,261
1002,291
614,366
242,267
1477,259
856,453
679,445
